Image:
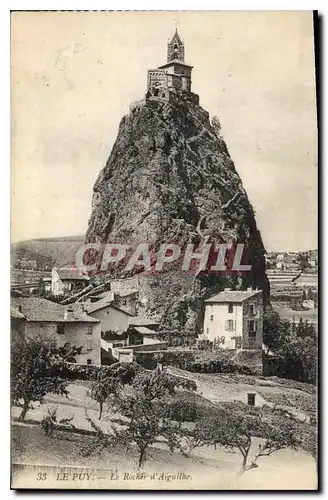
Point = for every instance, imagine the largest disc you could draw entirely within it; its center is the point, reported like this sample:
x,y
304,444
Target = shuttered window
x,y
229,325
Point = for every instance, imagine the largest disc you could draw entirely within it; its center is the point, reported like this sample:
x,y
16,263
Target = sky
x,y
74,75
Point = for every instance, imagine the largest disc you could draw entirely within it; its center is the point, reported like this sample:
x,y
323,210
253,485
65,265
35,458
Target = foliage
x,y
201,361
102,388
125,372
295,345
46,294
215,122
144,420
237,430
182,411
300,358
35,368
49,420
303,260
273,328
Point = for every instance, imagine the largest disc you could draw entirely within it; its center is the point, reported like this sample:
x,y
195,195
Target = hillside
x,y
58,251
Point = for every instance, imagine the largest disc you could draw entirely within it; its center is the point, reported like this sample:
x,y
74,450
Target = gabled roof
x,y
102,304
202,337
102,295
138,321
15,313
35,309
71,273
236,296
145,331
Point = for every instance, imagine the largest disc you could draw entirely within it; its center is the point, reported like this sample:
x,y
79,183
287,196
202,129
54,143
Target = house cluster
x,y
292,261
102,326
98,328
99,324
26,263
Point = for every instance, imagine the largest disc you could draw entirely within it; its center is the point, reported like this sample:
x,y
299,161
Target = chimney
x,y
78,309
227,289
83,310
250,289
69,313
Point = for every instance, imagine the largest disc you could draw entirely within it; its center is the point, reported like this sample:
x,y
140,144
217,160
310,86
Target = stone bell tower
x,y
173,77
175,48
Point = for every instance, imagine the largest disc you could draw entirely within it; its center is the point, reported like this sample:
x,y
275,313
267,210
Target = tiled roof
x,y
101,304
232,296
136,321
96,306
125,293
35,309
103,295
175,61
145,331
15,313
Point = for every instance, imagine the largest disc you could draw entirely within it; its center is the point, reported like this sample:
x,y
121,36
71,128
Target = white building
x,y
234,319
67,280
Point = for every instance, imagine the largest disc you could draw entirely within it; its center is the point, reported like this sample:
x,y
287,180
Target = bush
x,y
180,411
205,362
124,371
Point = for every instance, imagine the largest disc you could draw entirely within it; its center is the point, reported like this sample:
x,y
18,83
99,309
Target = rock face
x,y
170,178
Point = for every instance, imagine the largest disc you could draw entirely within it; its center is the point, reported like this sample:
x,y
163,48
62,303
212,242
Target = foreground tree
x,y
102,388
144,420
295,344
35,369
274,328
237,431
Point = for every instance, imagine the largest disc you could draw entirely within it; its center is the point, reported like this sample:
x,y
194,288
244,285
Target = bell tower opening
x,y
175,48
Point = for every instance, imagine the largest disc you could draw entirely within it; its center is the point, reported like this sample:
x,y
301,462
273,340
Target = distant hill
x,y
48,252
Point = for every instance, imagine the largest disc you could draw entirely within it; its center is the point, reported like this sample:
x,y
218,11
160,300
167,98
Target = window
x,y
251,398
89,361
222,340
230,308
251,326
60,329
229,325
89,330
207,330
89,344
211,317
251,309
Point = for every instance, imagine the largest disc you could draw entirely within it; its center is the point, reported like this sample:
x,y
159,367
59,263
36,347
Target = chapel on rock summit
x,y
173,76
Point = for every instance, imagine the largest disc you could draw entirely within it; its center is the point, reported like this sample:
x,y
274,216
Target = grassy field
x,y
207,468
288,313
